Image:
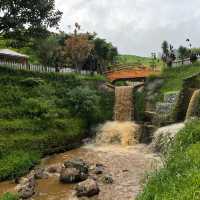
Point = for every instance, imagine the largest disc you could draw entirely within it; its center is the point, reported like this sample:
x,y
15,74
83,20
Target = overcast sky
x,y
135,26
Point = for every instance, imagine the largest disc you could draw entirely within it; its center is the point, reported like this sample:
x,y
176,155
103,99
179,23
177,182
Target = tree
x,y
165,48
104,52
24,19
50,51
183,53
168,55
77,49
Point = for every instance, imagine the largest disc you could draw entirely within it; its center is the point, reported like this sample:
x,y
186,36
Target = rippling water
x,y
127,165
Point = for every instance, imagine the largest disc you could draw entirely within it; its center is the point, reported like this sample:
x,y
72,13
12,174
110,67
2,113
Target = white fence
x,y
178,63
41,68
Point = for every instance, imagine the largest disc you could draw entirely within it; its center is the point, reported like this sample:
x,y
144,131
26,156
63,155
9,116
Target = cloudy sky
x,y
135,26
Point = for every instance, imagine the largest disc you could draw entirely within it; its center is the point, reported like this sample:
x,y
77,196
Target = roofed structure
x,y
13,56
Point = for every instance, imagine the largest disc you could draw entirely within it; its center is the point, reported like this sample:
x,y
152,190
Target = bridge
x,y
133,74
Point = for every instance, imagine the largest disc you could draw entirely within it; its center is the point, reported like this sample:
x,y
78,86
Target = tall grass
x,y
179,179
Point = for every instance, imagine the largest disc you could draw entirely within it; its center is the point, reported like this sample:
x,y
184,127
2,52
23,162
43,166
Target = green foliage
x,y
24,20
9,196
32,82
49,51
173,77
17,163
180,177
136,61
183,52
45,113
84,103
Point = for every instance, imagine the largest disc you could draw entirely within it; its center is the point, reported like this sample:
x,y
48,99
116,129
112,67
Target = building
x,y
7,55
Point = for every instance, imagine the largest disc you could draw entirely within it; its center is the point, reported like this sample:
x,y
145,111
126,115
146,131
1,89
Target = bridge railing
x,y
131,68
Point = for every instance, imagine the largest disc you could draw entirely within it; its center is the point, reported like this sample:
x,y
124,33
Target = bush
x,y
84,103
32,82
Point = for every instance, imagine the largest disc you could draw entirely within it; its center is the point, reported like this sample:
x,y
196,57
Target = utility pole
x,y
153,65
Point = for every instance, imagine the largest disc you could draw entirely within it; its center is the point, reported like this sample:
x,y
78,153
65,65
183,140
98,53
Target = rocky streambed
x,y
108,172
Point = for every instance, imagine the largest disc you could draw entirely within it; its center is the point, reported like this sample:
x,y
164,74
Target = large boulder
x,y
87,188
40,173
164,136
26,188
107,179
52,169
78,164
72,175
99,169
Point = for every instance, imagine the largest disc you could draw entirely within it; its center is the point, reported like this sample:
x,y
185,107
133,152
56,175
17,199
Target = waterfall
x,y
123,130
123,110
194,102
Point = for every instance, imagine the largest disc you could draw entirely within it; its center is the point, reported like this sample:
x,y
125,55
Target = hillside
x,y
44,113
137,60
173,78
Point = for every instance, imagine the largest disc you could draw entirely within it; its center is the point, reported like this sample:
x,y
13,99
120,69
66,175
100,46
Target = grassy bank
x,y
45,113
173,77
180,177
138,60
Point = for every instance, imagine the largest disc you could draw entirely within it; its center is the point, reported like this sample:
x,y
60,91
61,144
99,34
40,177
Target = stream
x,y
127,165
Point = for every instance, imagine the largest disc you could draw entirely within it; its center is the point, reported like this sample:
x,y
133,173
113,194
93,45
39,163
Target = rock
x,y
107,179
40,173
54,169
87,188
26,188
78,164
163,136
87,141
72,175
99,169
171,97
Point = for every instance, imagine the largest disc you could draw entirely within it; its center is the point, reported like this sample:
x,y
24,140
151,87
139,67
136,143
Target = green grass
x,y
40,115
180,177
137,60
174,77
9,196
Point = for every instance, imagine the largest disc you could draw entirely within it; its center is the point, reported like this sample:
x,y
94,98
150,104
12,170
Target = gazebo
x,y
7,55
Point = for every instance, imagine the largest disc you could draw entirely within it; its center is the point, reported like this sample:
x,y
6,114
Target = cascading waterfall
x,y
121,131
123,110
194,102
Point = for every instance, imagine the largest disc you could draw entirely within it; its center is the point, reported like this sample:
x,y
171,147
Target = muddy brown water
x,y
127,165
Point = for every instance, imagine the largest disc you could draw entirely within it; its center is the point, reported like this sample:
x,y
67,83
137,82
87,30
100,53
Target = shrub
x,y
84,103
32,82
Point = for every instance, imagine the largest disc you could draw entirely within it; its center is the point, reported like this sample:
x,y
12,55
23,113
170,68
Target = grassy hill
x,y
173,77
44,113
137,60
